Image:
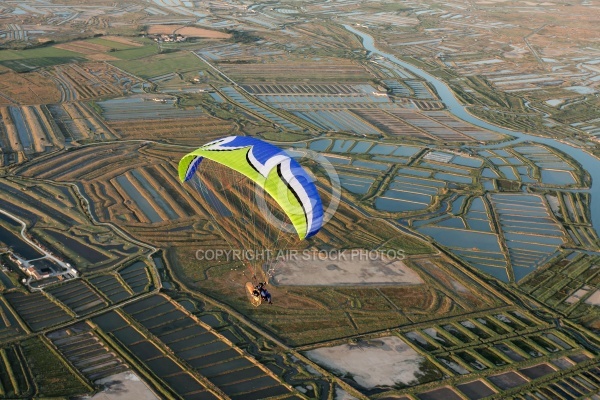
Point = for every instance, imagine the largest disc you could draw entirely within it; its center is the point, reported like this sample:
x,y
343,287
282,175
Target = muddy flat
x,y
379,362
575,297
301,272
124,386
594,299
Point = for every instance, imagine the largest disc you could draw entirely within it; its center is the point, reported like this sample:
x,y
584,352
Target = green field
x,y
135,53
52,376
112,44
27,60
159,64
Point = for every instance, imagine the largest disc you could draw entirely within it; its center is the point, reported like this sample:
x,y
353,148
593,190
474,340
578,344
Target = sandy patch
x,y
189,31
29,88
352,271
578,295
163,29
594,299
379,362
123,386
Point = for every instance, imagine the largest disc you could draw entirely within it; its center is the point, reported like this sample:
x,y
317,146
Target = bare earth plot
x,y
594,299
382,362
314,272
187,31
123,386
31,88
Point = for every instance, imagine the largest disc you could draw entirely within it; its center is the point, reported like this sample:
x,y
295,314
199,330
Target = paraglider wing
x,y
271,168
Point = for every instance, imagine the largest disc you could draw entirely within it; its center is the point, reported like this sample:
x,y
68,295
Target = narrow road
x,y
218,71
32,243
525,39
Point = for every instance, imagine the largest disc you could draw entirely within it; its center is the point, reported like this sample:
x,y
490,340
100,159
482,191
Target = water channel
x,y
589,163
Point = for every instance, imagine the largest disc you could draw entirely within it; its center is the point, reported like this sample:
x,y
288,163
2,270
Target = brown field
x,y
330,36
189,31
555,40
27,88
417,298
120,39
192,131
455,284
83,47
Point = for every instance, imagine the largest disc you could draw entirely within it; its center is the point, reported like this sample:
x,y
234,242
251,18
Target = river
x,y
590,163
